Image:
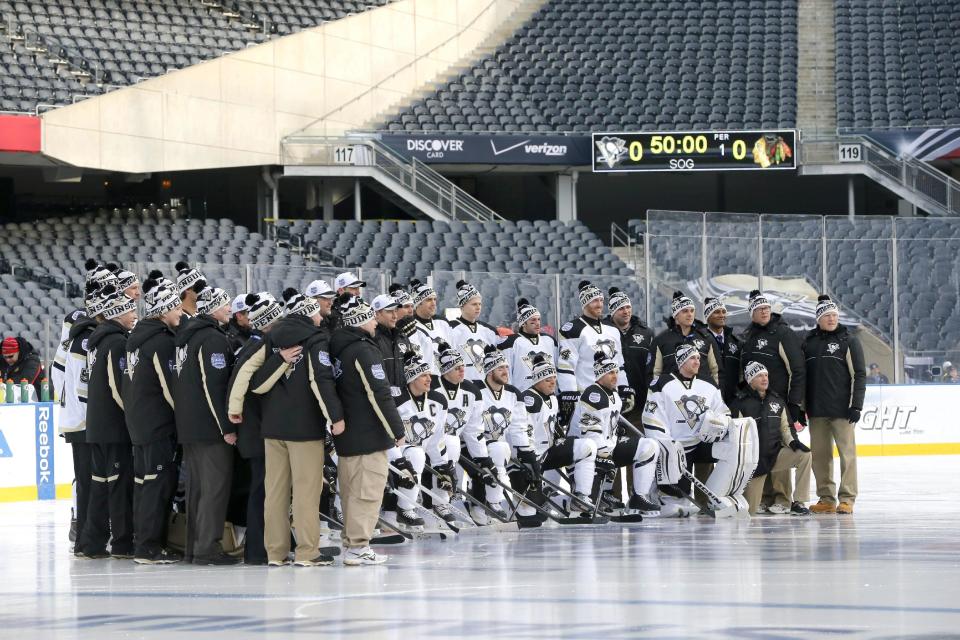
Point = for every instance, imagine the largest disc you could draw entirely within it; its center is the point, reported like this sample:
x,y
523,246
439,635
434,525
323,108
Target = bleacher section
x,y
63,48
665,64
897,63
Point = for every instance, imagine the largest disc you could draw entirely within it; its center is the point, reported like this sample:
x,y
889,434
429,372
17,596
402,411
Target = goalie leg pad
x,y
670,459
736,456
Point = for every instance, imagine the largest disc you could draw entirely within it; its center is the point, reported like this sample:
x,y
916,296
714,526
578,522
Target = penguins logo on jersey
x,y
456,420
692,407
181,357
474,349
552,425
495,421
833,347
133,357
413,347
565,354
418,428
528,359
607,347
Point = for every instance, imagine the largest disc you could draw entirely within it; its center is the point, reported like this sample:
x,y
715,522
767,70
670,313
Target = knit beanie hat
x,y
712,304
618,299
466,292
353,310
413,366
10,346
526,311
448,357
588,292
757,301
189,278
492,358
159,295
210,299
115,304
263,309
421,292
684,352
602,365
297,304
825,305
403,298
752,370
679,303
541,368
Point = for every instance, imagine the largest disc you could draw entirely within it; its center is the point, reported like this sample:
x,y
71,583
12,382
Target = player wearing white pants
x,y
690,421
424,413
597,417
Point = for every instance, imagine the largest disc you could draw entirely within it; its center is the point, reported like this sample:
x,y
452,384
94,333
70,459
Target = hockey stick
x,y
426,491
500,525
543,480
509,491
380,521
397,538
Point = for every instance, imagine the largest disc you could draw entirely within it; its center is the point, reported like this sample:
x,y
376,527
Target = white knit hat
x,y
210,299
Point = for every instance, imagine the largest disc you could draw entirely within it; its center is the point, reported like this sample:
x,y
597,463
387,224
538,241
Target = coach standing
x,y
373,426
836,384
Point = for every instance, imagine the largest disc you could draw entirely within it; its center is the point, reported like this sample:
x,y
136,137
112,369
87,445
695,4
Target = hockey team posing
x,y
345,411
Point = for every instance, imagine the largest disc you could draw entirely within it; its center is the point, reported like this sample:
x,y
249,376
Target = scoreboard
x,y
763,150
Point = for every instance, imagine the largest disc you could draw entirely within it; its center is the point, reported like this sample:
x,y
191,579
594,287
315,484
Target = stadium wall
x,y
233,111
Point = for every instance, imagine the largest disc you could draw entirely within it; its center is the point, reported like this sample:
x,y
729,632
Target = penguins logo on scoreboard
x,y
611,150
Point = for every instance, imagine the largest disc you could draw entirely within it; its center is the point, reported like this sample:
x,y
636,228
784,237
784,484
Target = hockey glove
x,y
605,466
407,477
528,458
330,475
853,415
568,402
796,445
629,398
407,326
796,414
446,477
713,427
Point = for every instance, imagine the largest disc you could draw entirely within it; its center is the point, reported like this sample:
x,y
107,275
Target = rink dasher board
x,y
35,463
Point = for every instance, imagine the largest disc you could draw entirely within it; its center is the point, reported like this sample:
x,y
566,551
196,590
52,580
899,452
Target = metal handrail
x,y
913,174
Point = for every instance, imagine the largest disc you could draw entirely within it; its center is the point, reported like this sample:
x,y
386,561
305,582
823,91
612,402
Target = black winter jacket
x,y
299,399
777,348
372,420
243,402
836,376
27,366
773,429
203,363
665,346
237,335
729,363
393,345
106,361
636,345
148,383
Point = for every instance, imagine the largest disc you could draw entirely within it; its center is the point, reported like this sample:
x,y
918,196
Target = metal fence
x,y
897,279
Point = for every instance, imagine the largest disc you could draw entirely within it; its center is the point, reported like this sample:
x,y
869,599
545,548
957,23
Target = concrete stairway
x,y
816,61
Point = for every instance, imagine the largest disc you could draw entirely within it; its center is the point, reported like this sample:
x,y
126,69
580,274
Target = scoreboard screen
x,y
694,151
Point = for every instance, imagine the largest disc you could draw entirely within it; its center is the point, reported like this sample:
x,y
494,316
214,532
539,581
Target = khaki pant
x,y
296,466
787,459
361,480
824,432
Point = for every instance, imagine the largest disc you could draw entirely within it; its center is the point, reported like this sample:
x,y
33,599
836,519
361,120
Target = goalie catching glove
x,y
713,426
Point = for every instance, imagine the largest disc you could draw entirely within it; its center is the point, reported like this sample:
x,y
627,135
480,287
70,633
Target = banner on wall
x,y
910,420
534,149
35,463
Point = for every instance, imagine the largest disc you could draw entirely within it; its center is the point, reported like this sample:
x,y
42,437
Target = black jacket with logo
x,y
665,346
299,399
203,362
106,360
773,429
836,375
777,348
636,344
372,420
393,345
729,353
148,382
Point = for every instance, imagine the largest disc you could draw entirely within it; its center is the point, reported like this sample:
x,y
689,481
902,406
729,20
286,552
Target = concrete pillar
x,y
357,202
327,198
566,198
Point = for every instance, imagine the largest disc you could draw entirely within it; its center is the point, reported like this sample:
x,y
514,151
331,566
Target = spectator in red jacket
x,y
21,361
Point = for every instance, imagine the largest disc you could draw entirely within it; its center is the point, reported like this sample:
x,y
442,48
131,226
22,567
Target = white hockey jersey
x,y
424,419
579,341
463,415
504,414
425,339
59,367
597,416
520,350
543,412
470,338
675,406
76,376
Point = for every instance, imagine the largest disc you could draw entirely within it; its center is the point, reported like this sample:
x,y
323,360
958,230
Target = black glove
x,y
330,475
407,326
605,466
796,414
406,477
629,398
853,415
796,445
568,402
528,458
485,462
446,477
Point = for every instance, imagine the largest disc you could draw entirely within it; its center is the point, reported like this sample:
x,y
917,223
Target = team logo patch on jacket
x,y
638,338
733,347
181,356
91,358
761,343
218,360
133,357
324,358
833,347
378,372
775,407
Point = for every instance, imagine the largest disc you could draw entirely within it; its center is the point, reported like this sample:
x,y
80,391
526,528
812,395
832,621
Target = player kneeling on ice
x,y
689,420
553,448
424,413
597,418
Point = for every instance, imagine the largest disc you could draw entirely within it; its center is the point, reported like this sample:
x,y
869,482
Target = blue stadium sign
x,y
762,150
493,149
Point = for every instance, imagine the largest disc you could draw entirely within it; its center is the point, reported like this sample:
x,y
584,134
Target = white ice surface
x,y
892,570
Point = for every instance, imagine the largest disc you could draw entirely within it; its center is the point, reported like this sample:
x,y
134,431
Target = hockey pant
x,y
110,505
641,454
155,475
482,486
735,457
580,453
